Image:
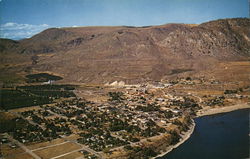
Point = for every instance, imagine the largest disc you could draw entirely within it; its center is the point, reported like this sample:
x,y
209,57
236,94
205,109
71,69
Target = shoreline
x,y
184,138
203,112
218,110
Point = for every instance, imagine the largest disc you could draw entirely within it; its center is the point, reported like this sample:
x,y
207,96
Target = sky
x,y
24,18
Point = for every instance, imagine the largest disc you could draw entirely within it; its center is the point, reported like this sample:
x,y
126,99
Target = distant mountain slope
x,y
133,54
7,44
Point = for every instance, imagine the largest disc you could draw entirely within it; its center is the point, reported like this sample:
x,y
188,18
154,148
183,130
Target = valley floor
x,y
128,121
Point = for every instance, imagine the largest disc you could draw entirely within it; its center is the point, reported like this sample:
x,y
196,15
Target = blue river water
x,y
220,136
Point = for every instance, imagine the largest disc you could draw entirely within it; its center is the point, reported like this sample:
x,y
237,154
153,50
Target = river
x,y
220,136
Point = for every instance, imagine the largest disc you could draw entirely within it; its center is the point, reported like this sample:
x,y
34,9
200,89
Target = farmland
x,y
25,96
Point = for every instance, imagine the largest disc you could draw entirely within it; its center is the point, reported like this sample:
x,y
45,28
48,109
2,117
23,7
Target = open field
x,y
19,156
57,150
71,155
235,71
45,144
8,151
19,110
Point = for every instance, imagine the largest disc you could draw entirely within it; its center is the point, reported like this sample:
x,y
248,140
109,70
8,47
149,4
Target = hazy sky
x,y
24,18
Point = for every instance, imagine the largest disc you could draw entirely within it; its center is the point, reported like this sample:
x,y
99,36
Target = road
x,y
119,137
30,121
40,148
66,153
22,146
83,147
58,115
200,99
138,143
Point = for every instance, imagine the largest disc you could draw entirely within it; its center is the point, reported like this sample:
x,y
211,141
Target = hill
x,y
129,54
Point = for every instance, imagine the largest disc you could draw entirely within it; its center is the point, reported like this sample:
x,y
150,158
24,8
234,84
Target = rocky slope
x,y
129,54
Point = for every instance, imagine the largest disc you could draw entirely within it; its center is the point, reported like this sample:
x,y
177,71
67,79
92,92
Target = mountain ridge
x,y
132,54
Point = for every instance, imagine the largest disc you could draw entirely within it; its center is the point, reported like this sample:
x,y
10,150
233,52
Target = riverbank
x,y
211,111
184,137
204,112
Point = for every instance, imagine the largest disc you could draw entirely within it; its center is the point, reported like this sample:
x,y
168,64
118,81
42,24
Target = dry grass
x,y
72,137
19,156
6,116
7,150
57,150
117,154
208,92
44,144
72,155
19,110
233,71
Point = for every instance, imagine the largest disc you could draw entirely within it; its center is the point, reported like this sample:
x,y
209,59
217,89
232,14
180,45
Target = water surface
x,y
220,136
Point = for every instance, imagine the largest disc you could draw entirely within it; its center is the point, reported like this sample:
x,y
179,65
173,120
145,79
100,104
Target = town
x,y
111,121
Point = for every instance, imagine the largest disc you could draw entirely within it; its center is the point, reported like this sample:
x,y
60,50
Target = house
x,y
175,111
49,82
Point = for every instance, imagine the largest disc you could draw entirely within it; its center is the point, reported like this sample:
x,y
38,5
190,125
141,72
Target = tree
x,y
175,137
149,152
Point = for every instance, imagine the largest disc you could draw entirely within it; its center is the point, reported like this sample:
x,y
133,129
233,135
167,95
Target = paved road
x,y
22,146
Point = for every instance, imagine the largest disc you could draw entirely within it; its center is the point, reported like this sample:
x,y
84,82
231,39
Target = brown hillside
x,y
130,54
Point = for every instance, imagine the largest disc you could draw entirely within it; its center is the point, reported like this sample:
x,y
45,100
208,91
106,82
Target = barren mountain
x,y
126,53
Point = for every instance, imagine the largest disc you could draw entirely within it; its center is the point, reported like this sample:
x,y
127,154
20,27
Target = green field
x,y
32,95
42,77
53,93
47,87
11,99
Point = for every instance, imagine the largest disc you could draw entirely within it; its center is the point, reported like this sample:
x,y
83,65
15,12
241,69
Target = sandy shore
x,y
204,112
209,111
184,137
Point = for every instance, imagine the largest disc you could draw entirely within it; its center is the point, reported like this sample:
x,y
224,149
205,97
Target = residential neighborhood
x,y
131,120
